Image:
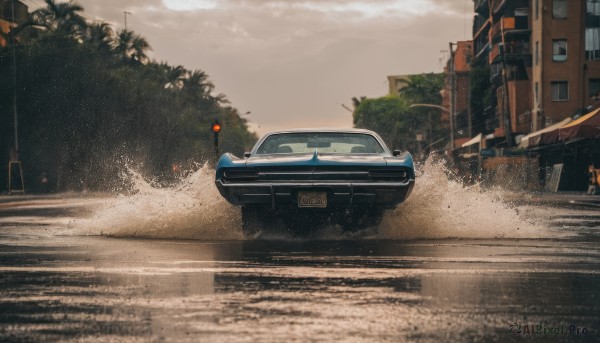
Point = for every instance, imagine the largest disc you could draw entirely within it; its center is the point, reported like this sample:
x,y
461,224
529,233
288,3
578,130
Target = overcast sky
x,y
292,63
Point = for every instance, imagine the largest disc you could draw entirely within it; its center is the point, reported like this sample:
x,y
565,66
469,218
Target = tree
x,y
398,123
387,116
64,17
426,89
423,88
82,113
131,47
175,77
101,36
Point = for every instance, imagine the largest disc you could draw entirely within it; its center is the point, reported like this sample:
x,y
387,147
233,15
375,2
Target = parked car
x,y
309,177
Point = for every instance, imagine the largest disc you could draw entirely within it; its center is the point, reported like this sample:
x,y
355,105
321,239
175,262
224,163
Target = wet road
x,y
59,284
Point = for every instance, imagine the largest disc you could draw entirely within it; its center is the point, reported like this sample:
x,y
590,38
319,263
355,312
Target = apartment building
x,y
543,58
501,35
456,94
565,38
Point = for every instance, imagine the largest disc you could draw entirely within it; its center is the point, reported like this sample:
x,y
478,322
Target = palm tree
x,y
197,83
176,77
101,36
131,47
63,17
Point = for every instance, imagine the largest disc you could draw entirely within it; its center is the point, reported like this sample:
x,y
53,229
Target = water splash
x,y
193,209
440,207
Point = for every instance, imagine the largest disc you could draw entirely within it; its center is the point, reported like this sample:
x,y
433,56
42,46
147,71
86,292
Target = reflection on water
x,y
276,291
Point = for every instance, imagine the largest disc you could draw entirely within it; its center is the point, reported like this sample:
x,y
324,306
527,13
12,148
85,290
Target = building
x,y
456,94
565,39
543,58
501,35
6,16
396,83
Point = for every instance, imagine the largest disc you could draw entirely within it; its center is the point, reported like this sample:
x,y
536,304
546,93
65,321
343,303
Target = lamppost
x,y
442,109
125,13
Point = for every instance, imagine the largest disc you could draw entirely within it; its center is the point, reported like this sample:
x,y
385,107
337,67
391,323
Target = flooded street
x,y
171,264
59,284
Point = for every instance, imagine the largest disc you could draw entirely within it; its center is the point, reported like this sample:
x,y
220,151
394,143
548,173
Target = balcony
x,y
510,26
481,49
514,51
502,24
494,53
480,25
482,7
498,5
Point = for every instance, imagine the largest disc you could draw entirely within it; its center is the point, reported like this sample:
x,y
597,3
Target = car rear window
x,y
329,142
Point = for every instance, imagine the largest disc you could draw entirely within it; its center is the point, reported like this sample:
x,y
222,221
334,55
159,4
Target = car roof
x,y
322,130
336,130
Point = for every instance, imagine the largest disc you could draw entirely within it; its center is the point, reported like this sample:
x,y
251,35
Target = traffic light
x,y
216,128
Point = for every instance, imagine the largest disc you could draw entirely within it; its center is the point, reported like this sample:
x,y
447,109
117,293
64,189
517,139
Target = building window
x,y
592,44
537,9
559,50
537,53
537,94
595,89
559,9
593,7
560,90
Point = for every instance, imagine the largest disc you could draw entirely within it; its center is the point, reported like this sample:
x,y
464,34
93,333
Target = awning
x,y
588,126
474,140
533,138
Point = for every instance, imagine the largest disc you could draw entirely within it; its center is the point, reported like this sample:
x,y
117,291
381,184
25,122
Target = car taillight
x,y
241,174
388,174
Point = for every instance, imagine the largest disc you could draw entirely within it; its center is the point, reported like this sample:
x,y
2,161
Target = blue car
x,y
303,179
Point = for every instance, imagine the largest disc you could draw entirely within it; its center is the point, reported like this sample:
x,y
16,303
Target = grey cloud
x,y
291,66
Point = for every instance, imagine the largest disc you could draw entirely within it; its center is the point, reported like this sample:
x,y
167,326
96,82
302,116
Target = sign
x,y
312,199
553,184
488,152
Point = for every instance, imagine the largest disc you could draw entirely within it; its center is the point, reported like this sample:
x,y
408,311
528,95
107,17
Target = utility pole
x,y
506,99
14,56
452,96
15,170
125,13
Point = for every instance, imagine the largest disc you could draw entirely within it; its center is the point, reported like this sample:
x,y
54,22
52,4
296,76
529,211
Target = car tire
x,y
361,218
255,219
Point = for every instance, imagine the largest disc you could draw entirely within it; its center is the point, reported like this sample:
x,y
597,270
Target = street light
x,y
432,106
125,13
442,109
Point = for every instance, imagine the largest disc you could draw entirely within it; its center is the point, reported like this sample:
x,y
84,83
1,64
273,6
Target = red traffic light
x,y
216,127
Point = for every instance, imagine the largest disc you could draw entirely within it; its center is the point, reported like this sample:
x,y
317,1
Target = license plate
x,y
312,199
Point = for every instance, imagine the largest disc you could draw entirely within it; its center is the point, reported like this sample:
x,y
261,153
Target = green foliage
x,y
396,122
387,116
424,89
90,102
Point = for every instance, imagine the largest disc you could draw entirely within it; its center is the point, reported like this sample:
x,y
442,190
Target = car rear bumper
x,y
339,194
